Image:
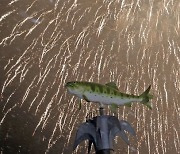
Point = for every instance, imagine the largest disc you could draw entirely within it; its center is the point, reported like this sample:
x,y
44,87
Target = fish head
x,y
75,87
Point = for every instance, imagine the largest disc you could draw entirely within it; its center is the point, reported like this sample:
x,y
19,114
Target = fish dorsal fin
x,y
112,85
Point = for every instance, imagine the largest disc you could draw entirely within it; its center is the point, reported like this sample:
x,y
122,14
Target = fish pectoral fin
x,y
113,108
79,104
101,105
128,104
112,85
85,98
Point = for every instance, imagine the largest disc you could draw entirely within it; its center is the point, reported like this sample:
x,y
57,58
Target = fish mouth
x,y
69,85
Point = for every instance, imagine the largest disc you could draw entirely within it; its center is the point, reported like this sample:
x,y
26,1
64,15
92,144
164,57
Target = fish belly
x,y
105,99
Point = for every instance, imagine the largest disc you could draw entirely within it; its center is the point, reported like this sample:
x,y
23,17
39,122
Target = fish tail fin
x,y
146,97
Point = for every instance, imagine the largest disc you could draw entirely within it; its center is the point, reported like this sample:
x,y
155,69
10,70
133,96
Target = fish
x,y
107,94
